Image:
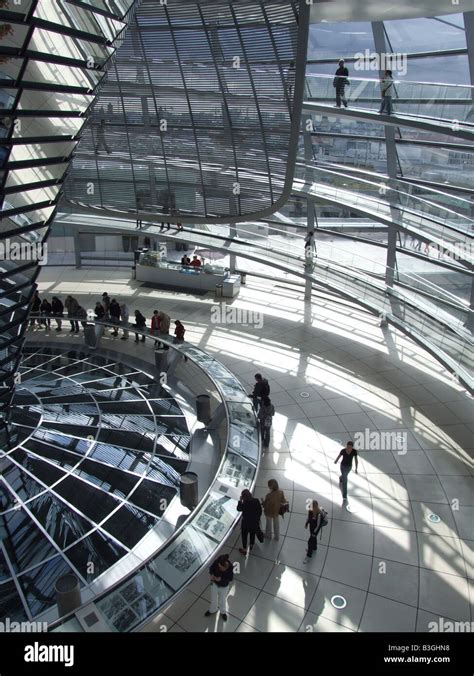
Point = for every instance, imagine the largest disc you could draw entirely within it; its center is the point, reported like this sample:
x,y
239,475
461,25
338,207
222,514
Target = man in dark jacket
x,y
114,311
58,310
251,512
340,82
222,574
35,308
260,390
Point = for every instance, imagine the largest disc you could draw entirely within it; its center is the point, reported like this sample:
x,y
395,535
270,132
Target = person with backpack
x,y
347,455
222,574
386,86
271,508
317,519
251,512
261,389
265,415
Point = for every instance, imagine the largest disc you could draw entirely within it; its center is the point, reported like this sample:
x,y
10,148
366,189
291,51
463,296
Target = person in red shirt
x,y
179,332
196,262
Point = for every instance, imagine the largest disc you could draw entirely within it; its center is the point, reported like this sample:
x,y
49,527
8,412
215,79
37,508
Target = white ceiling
x,y
380,10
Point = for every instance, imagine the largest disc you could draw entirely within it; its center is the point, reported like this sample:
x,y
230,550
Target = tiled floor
x,y
396,569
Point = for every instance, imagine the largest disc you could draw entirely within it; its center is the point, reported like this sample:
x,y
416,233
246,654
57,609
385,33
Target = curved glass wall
x,y
199,113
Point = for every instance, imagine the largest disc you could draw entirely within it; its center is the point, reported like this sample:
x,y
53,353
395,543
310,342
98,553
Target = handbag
x,y
260,535
284,508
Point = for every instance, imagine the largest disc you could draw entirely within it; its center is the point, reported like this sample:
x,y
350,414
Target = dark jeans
x,y
245,534
265,431
340,95
74,325
312,545
345,469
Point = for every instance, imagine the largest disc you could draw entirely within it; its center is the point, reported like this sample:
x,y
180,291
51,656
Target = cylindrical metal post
x,y
68,594
203,408
188,489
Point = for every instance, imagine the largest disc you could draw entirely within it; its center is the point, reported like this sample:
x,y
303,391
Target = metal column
x,y
381,48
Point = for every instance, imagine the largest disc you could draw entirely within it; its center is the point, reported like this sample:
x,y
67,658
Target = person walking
x,y
314,521
309,241
101,142
71,307
58,311
81,312
46,309
251,512
347,455
139,207
114,311
309,248
35,308
155,324
271,508
124,316
261,389
340,82
179,332
165,323
179,226
265,415
222,574
106,304
386,86
166,211
140,323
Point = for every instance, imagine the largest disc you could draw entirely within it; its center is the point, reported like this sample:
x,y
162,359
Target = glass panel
x,y
152,497
93,503
23,485
425,35
129,525
24,543
339,40
98,550
62,524
10,603
437,164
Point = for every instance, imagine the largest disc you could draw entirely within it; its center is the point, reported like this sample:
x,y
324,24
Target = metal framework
x,y
199,114
53,57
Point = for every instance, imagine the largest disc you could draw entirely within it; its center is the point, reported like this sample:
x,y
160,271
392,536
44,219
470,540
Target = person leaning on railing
x,y
140,323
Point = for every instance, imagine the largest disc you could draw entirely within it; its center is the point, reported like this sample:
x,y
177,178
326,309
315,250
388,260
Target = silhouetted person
x,y
340,82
